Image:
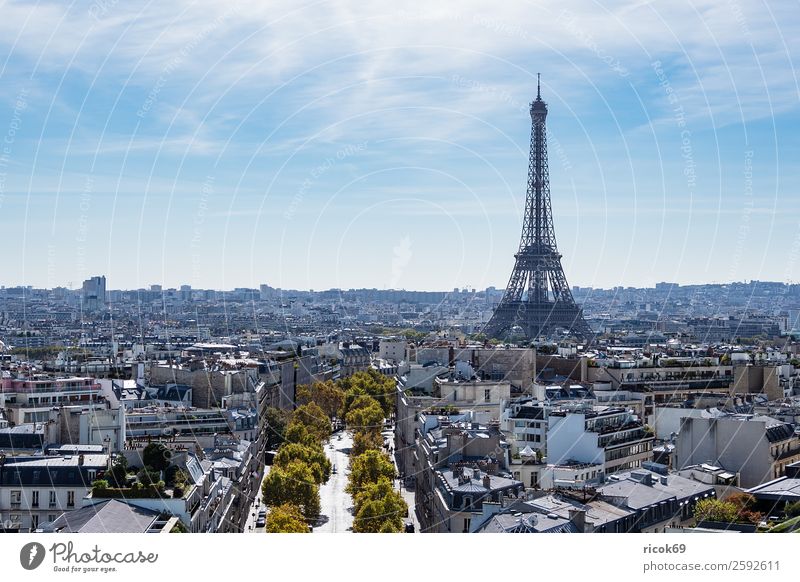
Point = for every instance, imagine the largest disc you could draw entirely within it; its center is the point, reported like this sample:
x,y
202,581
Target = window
x,y
51,517
466,525
487,395
92,475
34,521
70,499
16,498
35,499
52,499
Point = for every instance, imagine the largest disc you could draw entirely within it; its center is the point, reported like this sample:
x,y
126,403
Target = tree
x,y
298,433
716,510
745,503
118,475
286,518
327,395
156,456
379,508
293,484
793,509
313,456
277,421
368,468
314,419
147,476
365,414
371,383
364,441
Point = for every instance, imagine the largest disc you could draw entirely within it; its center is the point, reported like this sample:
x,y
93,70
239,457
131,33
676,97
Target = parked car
x,y
409,527
261,521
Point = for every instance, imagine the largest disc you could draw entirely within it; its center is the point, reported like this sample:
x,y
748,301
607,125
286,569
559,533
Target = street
x,y
250,526
408,496
336,504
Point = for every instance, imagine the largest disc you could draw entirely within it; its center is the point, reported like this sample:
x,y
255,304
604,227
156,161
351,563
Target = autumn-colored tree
x,y
294,484
327,395
368,468
364,441
286,518
745,503
365,414
314,419
313,456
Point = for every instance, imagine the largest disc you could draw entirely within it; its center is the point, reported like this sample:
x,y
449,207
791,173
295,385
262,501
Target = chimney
x,y
487,481
476,473
80,460
578,518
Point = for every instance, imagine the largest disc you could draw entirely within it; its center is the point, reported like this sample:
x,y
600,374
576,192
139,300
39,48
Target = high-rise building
x,y
94,293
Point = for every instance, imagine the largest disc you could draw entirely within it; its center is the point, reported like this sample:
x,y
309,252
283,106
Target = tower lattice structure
x,y
537,297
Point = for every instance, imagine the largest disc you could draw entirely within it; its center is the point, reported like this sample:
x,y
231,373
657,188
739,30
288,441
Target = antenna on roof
x,y
538,85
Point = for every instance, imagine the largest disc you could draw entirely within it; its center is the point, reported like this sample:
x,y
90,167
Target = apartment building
x,y
612,437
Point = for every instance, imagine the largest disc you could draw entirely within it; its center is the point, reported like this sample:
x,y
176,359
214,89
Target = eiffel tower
x,y
537,297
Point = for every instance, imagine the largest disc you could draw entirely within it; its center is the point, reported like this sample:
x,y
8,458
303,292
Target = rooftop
x,y
110,516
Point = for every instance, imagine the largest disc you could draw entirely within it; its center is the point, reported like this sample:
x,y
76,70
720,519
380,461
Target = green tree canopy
x,y
293,484
118,476
379,508
367,468
313,456
277,421
364,441
298,433
327,395
365,414
314,419
371,383
156,456
286,518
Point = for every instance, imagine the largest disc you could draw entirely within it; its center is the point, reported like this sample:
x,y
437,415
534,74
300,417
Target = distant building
x,y
94,293
31,399
393,349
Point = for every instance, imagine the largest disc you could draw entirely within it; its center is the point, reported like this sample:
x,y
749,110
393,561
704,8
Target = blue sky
x,y
332,144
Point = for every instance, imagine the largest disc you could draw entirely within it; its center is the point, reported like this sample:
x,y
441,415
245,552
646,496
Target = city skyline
x,y
332,156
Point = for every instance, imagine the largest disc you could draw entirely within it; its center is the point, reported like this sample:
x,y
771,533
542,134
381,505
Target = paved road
x,y
250,526
335,502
